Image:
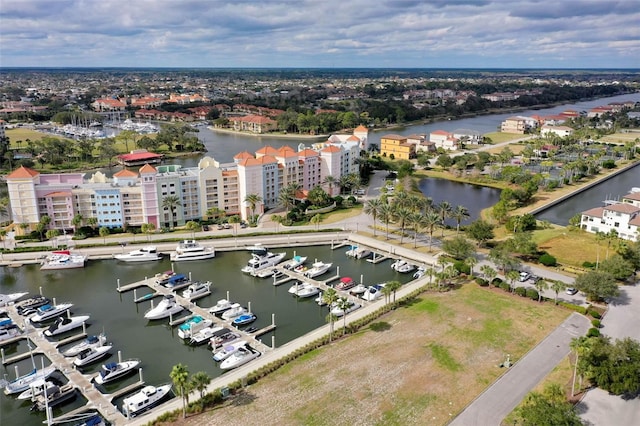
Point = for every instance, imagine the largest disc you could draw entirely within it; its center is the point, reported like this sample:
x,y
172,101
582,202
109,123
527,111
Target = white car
x,y
524,276
571,291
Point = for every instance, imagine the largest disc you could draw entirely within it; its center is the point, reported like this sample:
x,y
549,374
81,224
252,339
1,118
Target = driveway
x,y
499,399
622,320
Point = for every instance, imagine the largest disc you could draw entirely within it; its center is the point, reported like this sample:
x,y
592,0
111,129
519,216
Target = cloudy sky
x,y
321,33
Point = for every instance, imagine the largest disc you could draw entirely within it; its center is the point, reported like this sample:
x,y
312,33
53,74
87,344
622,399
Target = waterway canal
x,y
93,291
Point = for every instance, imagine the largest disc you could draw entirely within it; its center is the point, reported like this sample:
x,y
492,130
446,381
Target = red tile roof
x,y
23,172
147,168
125,173
596,212
139,156
623,208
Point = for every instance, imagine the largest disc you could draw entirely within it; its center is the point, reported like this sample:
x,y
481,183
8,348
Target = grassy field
x,y
516,148
563,244
22,134
425,363
621,137
499,137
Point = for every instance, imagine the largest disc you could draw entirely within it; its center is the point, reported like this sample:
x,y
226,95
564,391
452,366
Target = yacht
x,y
197,289
144,254
167,307
240,357
221,306
359,289
244,319
226,351
192,326
7,299
206,334
53,396
115,370
337,311
9,331
262,260
35,389
223,337
420,272
402,266
374,292
89,355
22,383
65,323
48,312
304,290
29,306
146,398
318,268
63,259
192,250
89,342
235,311
294,262
358,252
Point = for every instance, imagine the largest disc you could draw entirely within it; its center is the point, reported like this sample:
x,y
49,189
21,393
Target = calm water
x,y
93,291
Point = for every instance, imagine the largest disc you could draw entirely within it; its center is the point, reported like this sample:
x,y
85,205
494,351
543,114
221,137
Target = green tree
x,y
104,233
343,304
512,276
458,247
93,222
597,285
459,213
330,297
316,219
394,286
417,222
193,226
147,228
540,285
489,273
372,208
318,197
444,210
613,367
199,382
386,216
77,222
431,220
617,266
180,378
471,261
52,234
402,217
277,219
330,181
171,202
480,231
550,407
235,220
253,200
42,225
557,286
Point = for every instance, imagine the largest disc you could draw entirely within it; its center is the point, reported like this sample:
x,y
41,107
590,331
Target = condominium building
x,y
397,146
620,216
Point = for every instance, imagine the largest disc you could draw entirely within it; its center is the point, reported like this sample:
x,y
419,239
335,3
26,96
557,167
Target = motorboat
x,y
221,306
192,326
35,389
63,259
317,268
53,396
144,399
206,334
235,311
374,292
402,266
92,420
89,342
294,262
116,370
7,299
47,312
9,332
224,336
197,289
23,383
338,311
226,351
240,357
359,289
167,307
65,323
358,252
29,306
304,290
177,281
244,319
162,278
320,299
192,250
89,355
419,272
262,260
267,272
143,254
345,283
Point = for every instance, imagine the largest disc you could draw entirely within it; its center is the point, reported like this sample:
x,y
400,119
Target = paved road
x,y
622,320
498,400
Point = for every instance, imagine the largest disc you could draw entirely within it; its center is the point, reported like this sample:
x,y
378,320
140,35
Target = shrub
x,y
482,282
580,309
547,260
593,332
338,200
532,293
588,265
496,282
609,164
596,323
505,286
461,267
595,314
521,291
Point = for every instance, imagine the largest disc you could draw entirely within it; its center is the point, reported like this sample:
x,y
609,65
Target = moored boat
x,y
89,355
304,290
89,342
35,389
166,307
29,306
244,319
294,262
7,299
47,312
63,259
374,292
143,254
262,260
235,311
206,334
116,370
22,383
358,252
419,273
317,269
221,306
144,399
10,331
197,289
192,326
345,283
54,396
65,323
228,350
223,338
192,250
240,357
359,289
338,311
402,266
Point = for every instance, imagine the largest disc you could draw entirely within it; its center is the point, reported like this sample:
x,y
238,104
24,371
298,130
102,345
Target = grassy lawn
x,y
563,244
22,134
425,364
499,137
516,148
338,215
620,137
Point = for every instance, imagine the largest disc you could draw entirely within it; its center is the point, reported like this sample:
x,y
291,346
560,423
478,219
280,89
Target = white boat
x,y
358,252
320,300
221,306
402,266
206,334
22,383
165,308
144,254
374,292
240,357
235,311
63,259
89,342
317,268
7,299
53,396
266,273
28,306
115,370
262,260
192,326
35,389
228,350
223,337
359,289
163,278
419,273
192,250
304,290
9,332
197,289
89,355
294,262
65,323
345,283
337,311
48,312
144,399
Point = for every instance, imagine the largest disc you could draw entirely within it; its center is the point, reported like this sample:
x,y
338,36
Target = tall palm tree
x,y
393,287
330,297
199,382
92,222
489,273
512,276
471,261
253,200
180,378
402,217
459,213
557,286
444,210
417,222
386,291
344,304
372,208
330,181
170,202
540,285
431,220
401,199
192,226
386,216
77,222
285,198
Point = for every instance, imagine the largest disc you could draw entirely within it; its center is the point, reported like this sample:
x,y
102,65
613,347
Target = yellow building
x,y
398,146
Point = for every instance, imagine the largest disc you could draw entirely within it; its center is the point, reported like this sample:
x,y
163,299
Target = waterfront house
x,y
398,146
445,140
518,124
562,131
621,216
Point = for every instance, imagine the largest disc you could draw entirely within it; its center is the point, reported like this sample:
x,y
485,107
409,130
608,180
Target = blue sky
x,y
321,33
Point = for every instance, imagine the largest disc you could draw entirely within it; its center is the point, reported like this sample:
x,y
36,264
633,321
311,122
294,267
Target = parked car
x,y
205,227
571,291
524,276
243,224
227,226
220,226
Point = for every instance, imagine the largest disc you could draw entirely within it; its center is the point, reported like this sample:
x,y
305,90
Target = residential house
x,y
445,140
621,216
398,146
561,131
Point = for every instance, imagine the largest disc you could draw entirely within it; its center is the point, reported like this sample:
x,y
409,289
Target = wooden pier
x,y
125,390
377,258
341,244
137,284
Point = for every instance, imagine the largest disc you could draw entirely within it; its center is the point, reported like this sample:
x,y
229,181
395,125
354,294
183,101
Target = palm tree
x,y
459,213
402,216
471,262
512,276
199,382
77,222
92,222
277,219
170,202
147,228
386,214
540,285
344,304
180,378
489,273
372,208
557,286
253,200
579,345
104,231
401,200
192,226
316,219
285,198
417,222
330,181
386,291
431,272
235,220
330,297
3,234
444,210
431,220
393,287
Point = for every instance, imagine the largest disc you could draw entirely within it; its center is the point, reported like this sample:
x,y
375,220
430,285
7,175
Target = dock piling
x,y
273,341
118,280
17,371
54,301
135,294
249,306
338,271
2,354
119,356
361,278
227,294
40,290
